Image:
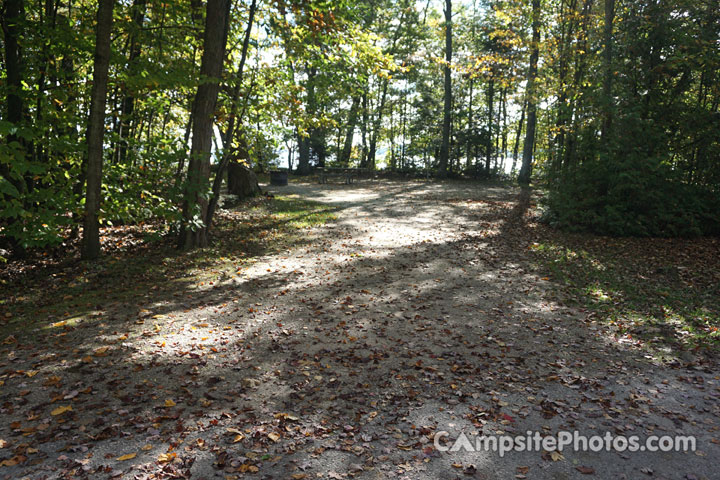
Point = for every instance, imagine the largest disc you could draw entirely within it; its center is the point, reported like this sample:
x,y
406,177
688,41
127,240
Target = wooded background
x,y
114,111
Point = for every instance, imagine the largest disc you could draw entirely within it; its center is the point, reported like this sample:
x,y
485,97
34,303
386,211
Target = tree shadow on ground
x,y
349,368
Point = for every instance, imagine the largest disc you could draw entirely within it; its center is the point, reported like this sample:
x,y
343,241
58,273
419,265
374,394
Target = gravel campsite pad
x,y
419,310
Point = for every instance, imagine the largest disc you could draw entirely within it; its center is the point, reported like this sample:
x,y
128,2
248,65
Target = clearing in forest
x,y
417,308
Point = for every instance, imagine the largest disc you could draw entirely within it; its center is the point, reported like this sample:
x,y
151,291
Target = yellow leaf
x,y
238,438
101,352
146,448
166,457
31,373
169,403
274,437
61,410
60,324
129,456
556,456
11,462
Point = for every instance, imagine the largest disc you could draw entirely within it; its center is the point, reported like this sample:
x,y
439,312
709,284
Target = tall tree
x,y
194,230
13,17
235,119
529,146
96,130
128,102
608,60
447,108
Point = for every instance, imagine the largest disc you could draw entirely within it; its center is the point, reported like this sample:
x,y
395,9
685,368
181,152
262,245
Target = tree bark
x,y
528,147
232,123
489,145
96,131
195,206
352,121
307,142
607,81
12,25
518,134
370,161
445,148
128,102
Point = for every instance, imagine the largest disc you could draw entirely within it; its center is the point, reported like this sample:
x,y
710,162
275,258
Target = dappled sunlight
x,y
400,319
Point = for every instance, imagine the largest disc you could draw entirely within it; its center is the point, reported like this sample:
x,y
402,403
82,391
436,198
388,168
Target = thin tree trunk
x,y
13,19
404,117
528,147
607,81
445,148
308,141
232,123
489,145
376,127
195,207
352,120
128,102
504,133
363,129
96,131
518,134
471,126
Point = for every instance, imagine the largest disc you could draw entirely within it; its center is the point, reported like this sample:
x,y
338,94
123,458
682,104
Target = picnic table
x,y
349,175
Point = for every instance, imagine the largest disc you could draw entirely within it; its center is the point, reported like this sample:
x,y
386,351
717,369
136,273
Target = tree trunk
x,y
471,126
607,81
307,142
528,147
364,128
128,102
352,120
96,130
232,123
504,131
370,162
13,19
518,134
445,148
12,25
195,207
489,145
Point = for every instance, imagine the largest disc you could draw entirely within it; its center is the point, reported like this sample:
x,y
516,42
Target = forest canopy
x,y
127,111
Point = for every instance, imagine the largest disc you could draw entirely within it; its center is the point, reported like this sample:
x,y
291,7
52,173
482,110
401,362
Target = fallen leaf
x,y
169,403
129,456
556,456
61,410
11,462
166,457
101,351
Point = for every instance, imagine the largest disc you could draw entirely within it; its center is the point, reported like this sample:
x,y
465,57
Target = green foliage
x,y
631,196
